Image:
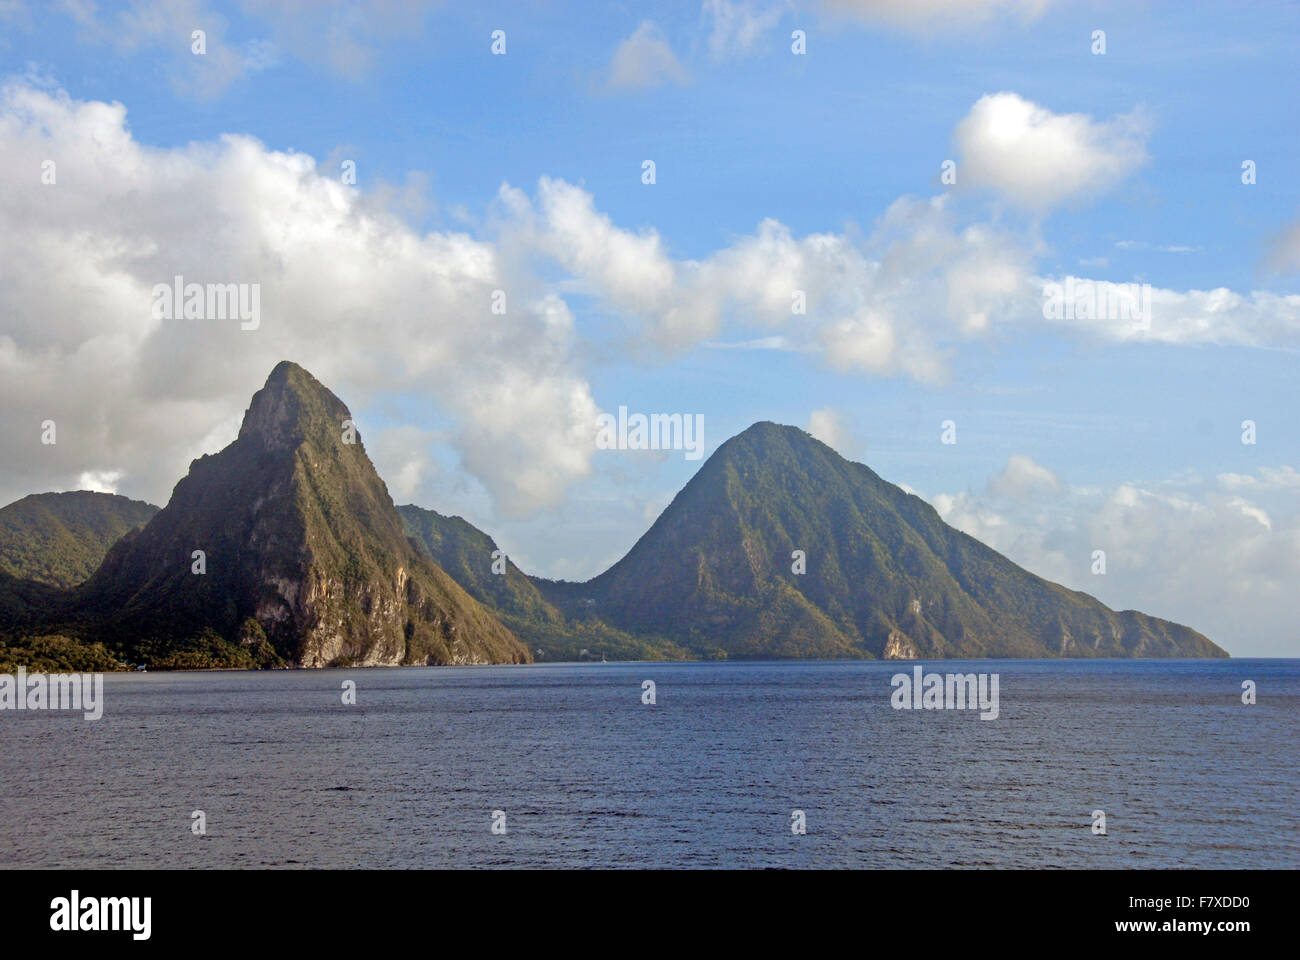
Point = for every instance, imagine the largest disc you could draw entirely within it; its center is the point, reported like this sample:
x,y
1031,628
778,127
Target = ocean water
x,y
589,776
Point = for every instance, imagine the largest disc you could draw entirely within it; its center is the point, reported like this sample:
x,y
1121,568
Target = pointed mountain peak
x,y
292,406
304,559
286,372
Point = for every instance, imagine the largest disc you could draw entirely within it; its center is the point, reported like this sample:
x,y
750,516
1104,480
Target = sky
x,y
919,173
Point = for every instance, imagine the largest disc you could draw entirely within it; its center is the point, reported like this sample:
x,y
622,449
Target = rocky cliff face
x,y
287,545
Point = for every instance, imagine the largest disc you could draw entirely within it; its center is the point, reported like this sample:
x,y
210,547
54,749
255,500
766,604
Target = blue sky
x,y
1071,437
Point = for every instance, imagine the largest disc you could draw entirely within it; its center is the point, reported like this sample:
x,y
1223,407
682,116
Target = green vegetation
x,y
885,577
301,538
206,650
307,562
53,653
466,553
26,602
60,538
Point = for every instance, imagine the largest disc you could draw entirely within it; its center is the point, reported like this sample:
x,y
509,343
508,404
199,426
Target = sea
x,y
799,765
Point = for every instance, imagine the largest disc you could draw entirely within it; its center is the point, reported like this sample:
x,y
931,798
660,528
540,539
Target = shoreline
x,y
736,662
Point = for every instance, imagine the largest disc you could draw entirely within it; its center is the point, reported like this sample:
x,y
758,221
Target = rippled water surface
x,y
587,775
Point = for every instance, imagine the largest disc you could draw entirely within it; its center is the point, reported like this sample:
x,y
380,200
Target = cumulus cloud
x,y
862,306
1038,159
944,15
403,455
1224,563
371,306
893,302
1218,316
644,60
1022,477
104,481
356,296
832,428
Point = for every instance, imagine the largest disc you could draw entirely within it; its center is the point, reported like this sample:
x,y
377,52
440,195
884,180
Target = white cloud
x,y
830,427
1219,316
1219,563
370,306
100,481
894,302
861,302
403,456
644,60
1038,159
353,294
1022,477
1267,478
1249,510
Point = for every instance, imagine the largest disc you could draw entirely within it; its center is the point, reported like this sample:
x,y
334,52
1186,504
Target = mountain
x,y
305,560
60,538
470,556
885,576
24,602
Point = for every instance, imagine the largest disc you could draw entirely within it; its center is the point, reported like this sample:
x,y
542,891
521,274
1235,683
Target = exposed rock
x,y
299,536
